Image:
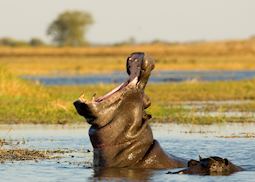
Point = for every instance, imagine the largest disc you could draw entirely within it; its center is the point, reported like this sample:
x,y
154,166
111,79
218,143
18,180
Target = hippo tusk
x,y
134,81
82,98
94,97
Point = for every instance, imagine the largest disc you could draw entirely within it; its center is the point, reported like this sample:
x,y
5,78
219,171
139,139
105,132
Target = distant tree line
x,y
68,29
11,42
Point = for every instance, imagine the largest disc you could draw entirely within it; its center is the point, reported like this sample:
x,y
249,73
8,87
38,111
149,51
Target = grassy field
x,y
26,102
57,65
225,55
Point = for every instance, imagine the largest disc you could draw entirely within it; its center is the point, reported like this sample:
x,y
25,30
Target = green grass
x,y
173,92
168,100
25,102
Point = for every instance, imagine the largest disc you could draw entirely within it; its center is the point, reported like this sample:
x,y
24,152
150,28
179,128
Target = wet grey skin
x,y
119,132
210,166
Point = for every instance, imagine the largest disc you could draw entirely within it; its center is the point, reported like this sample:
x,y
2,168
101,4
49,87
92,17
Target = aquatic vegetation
x,y
21,155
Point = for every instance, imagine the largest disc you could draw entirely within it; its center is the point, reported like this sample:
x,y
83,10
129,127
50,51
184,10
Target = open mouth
x,y
134,68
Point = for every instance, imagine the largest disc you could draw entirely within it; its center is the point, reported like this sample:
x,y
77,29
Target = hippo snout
x,y
84,110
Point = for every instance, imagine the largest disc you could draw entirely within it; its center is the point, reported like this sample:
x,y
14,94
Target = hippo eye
x,y
214,165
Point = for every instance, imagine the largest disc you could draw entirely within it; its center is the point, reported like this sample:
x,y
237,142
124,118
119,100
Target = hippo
x,y
213,165
120,133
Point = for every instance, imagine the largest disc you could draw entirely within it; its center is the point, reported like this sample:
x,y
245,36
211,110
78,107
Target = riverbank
x,y
186,102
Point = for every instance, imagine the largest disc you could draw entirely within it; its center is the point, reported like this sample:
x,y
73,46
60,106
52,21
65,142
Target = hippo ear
x,y
200,158
211,158
127,62
192,163
226,161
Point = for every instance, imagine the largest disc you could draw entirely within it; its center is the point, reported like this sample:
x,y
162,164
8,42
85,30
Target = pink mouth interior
x,y
133,79
121,86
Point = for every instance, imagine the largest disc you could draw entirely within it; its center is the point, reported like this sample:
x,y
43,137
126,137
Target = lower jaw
x,y
117,89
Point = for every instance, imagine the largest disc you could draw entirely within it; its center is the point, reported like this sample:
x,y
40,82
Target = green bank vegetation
x,y
180,102
25,102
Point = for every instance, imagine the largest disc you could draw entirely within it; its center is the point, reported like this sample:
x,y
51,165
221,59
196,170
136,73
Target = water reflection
x,y
122,174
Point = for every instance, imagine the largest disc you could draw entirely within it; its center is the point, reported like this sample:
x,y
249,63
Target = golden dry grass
x,y
202,48
57,65
225,55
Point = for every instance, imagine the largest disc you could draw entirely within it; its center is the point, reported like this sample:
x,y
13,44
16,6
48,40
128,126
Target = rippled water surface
x,y
235,142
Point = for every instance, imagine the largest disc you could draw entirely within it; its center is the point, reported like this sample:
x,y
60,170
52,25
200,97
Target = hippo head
x,y
138,67
215,165
210,166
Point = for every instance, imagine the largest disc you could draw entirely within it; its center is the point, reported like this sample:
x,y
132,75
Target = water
x,y
157,77
187,141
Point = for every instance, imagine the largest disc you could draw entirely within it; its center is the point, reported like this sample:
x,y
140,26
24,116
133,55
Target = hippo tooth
x,y
82,98
94,97
134,81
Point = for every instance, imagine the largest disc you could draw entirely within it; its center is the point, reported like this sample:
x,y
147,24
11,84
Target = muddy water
x,y
235,142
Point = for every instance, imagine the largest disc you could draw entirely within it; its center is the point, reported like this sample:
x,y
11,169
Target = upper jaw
x,y
138,70
134,65
142,64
